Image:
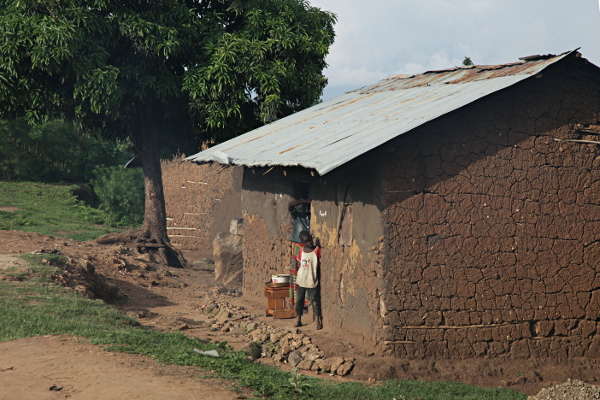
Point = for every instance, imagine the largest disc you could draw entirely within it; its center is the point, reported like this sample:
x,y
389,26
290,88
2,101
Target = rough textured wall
x,y
350,274
267,225
201,200
263,255
493,228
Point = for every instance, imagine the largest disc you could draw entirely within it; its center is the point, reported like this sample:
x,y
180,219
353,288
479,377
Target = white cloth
x,y
308,269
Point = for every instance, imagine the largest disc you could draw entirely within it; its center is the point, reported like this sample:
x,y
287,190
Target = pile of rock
x,y
296,349
281,346
227,319
570,390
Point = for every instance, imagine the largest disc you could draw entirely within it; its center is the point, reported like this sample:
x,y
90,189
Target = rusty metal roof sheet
x,y
329,134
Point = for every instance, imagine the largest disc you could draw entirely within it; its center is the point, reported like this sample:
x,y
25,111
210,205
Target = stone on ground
x,y
344,369
294,358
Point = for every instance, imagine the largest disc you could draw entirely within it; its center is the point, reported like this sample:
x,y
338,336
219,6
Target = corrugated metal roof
x,y
328,135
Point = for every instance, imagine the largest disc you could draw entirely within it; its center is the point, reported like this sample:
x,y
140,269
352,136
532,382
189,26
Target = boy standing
x,y
308,280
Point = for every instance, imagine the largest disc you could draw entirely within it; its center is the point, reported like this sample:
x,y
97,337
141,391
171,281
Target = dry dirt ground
x,y
177,300
61,367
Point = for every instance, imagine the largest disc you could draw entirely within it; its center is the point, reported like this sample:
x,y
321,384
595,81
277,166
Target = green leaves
x,y
55,151
269,62
100,90
121,194
214,66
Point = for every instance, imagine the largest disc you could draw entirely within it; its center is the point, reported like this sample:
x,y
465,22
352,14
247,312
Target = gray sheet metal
x,y
334,132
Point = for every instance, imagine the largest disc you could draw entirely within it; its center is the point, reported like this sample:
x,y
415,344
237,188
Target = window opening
x,y
302,190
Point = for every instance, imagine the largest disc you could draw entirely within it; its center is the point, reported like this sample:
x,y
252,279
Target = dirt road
x,y
67,367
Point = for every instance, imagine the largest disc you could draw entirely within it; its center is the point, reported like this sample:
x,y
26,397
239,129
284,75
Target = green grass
x,y
49,210
29,308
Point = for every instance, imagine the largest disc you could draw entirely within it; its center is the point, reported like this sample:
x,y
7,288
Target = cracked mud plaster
x,y
200,201
493,228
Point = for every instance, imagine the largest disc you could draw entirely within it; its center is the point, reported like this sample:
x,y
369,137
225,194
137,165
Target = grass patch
x,y
50,265
49,210
29,309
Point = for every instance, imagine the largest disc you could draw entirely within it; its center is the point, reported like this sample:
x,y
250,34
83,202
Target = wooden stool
x,y
276,304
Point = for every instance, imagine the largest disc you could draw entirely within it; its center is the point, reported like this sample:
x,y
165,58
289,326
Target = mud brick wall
x,y
263,255
493,228
349,285
201,200
350,274
267,226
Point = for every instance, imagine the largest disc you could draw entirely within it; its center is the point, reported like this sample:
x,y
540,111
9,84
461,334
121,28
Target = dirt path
x,y
61,367
66,367
177,300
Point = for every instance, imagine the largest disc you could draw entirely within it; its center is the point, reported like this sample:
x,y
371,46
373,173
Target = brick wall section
x,y
263,255
201,200
493,228
349,283
350,274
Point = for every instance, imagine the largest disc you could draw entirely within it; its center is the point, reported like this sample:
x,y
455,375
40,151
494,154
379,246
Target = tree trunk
x,y
154,229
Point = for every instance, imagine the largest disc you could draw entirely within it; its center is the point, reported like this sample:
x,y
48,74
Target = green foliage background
x,y
54,151
152,72
120,194
58,152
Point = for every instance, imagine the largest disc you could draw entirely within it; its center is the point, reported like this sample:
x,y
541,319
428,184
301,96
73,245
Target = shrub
x,y
55,151
120,194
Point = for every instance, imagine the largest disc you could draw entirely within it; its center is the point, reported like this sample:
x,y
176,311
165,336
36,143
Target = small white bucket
x,y
280,278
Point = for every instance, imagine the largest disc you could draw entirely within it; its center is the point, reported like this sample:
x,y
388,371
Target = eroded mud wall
x,y
351,272
493,227
201,200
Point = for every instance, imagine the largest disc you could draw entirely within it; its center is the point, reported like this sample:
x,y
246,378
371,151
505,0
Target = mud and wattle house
x,y
458,210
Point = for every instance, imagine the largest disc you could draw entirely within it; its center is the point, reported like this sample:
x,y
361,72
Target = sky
x,y
380,38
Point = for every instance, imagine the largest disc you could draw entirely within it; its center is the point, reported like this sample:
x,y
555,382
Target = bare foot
x,y
319,323
298,323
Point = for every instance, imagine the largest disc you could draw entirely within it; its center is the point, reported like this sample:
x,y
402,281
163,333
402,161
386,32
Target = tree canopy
x,y
216,63
144,69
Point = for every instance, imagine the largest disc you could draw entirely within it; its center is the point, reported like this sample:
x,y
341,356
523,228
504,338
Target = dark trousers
x,y
313,295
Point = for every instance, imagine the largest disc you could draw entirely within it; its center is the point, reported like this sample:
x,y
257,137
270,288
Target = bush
x,y
120,194
55,151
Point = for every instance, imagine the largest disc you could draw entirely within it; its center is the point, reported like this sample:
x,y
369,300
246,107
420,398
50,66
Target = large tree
x,y
145,69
